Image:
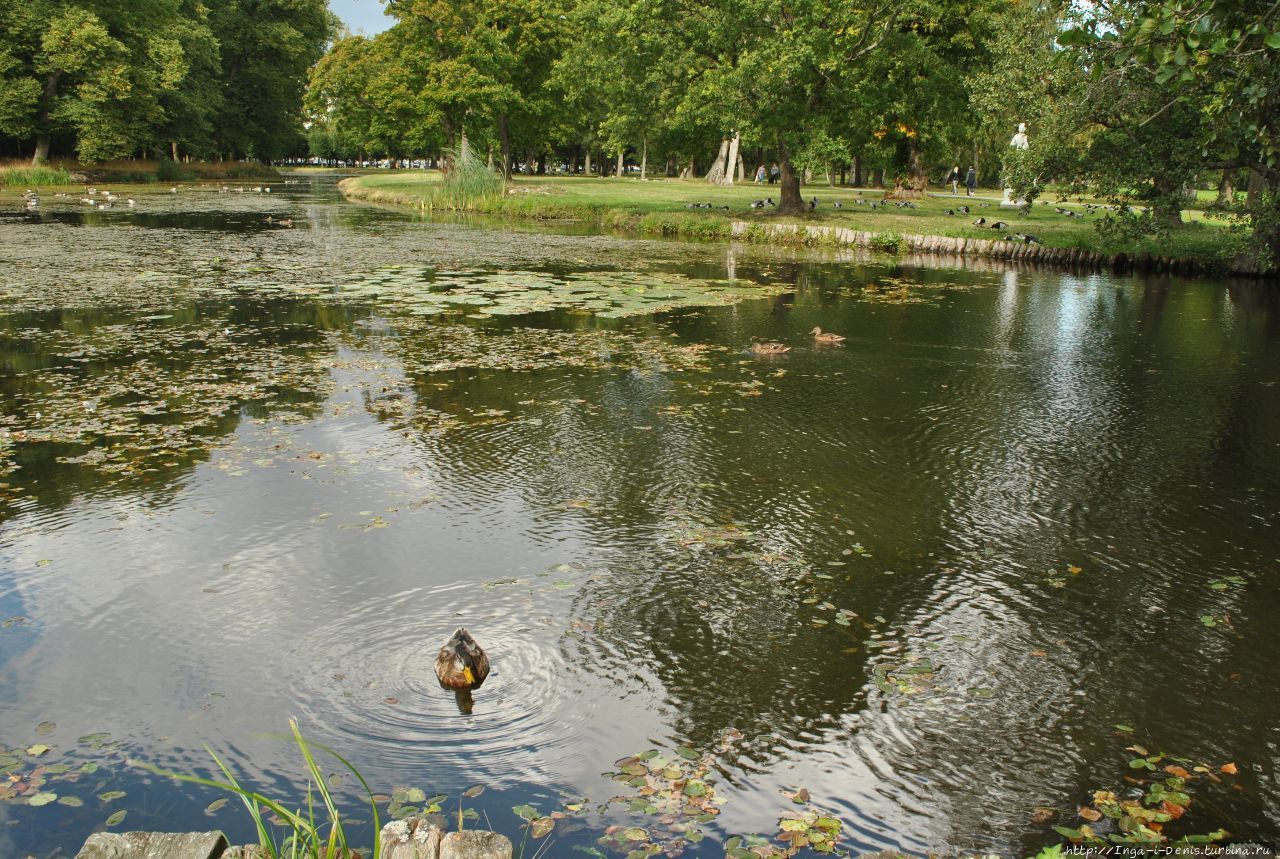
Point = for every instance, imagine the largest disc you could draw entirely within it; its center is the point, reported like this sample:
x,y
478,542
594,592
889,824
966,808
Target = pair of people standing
x,y
773,174
970,180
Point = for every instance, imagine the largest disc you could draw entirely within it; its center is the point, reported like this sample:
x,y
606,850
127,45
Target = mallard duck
x,y
827,336
769,348
461,664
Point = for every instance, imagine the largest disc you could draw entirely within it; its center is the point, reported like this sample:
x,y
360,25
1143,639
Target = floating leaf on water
x,y
57,769
117,818
70,801
96,741
526,812
473,791
44,797
37,750
108,796
44,729
635,833
415,794
542,827
216,805
687,753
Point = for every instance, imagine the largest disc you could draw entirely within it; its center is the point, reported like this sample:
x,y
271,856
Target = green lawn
x,y
626,202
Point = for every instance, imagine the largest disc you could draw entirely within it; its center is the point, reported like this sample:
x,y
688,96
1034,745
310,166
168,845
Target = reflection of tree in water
x,y
1030,444
96,398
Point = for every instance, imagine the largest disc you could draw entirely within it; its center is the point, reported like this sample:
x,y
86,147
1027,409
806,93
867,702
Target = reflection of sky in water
x,y
644,548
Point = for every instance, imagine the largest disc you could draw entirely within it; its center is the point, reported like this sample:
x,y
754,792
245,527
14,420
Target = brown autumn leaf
x,y
1040,814
1175,770
1038,653
1090,814
1173,810
1229,769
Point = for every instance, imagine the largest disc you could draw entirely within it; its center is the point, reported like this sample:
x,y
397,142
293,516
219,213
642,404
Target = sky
x,y
361,16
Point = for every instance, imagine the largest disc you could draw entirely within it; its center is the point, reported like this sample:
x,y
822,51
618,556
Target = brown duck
x,y
461,665
826,336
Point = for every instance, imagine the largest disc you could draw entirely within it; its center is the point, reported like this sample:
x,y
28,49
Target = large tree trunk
x,y
915,160
586,169
644,156
716,174
742,168
857,171
1167,206
504,142
731,160
789,203
622,163
46,116
1253,196
464,146
1227,188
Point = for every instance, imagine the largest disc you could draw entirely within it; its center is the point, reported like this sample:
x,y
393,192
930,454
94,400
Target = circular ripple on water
x,y
379,695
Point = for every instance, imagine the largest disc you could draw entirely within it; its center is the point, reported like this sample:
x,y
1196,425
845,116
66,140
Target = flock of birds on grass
x,y
998,226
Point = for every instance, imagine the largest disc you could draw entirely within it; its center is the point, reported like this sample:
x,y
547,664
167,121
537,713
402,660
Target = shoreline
x,y
534,207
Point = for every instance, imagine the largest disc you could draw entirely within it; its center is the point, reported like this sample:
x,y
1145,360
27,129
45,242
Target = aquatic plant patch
x,y
427,291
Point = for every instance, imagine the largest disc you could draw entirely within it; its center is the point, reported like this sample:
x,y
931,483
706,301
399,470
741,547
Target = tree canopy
x,y
105,79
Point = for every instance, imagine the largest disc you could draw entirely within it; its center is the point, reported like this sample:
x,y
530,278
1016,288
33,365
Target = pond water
x,y
940,576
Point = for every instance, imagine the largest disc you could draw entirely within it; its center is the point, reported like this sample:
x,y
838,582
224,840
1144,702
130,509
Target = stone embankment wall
x,y
412,838
988,248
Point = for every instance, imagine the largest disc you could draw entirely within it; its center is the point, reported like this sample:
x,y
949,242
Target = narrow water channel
x,y
953,570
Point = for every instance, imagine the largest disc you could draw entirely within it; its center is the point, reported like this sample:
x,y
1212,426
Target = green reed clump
x,y
468,185
309,837
889,243
28,176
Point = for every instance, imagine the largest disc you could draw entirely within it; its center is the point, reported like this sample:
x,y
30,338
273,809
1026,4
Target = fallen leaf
x,y
1090,814
1040,814
1229,769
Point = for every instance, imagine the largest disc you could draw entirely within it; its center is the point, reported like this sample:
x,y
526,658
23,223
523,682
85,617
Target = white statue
x,y
1019,141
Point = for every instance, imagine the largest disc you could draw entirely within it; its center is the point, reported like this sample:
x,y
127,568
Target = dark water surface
x,y
926,573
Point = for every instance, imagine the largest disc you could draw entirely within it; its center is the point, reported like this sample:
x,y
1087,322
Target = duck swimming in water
x,y
826,336
462,665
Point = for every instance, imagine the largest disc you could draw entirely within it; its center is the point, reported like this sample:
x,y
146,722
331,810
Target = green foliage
x,y
171,171
34,177
308,837
889,243
468,184
1023,169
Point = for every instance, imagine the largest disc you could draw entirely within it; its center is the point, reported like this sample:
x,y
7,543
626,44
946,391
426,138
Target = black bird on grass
x,y
999,225
979,222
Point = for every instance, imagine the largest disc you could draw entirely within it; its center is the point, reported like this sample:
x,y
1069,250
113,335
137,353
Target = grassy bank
x,y
661,207
129,172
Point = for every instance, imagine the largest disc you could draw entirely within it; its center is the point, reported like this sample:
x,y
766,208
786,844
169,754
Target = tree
x,y
268,46
94,70
1215,65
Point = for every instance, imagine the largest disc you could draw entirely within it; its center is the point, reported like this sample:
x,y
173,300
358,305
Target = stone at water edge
x,y
153,845
475,844
411,838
